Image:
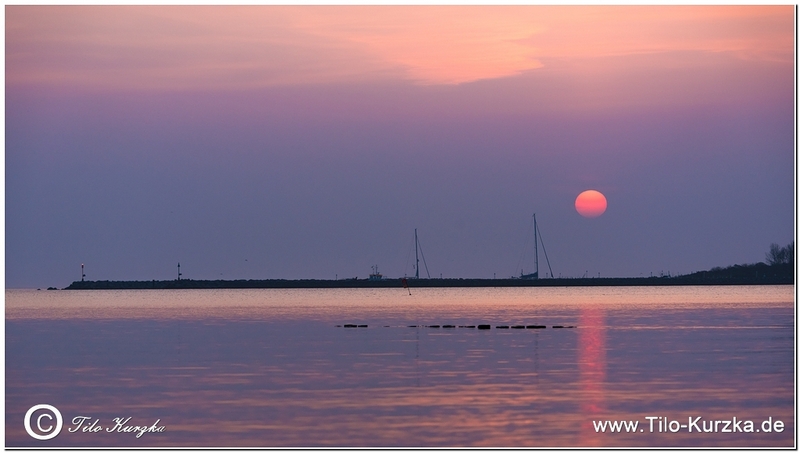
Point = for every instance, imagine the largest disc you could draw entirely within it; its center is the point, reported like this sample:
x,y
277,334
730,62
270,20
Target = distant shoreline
x,y
692,279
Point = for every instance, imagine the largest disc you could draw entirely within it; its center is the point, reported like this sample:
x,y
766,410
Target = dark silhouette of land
x,y
779,271
745,274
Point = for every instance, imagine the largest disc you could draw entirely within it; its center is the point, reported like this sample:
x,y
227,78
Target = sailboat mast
x,y
535,247
416,251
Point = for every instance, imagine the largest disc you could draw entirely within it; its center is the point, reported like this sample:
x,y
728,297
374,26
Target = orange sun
x,y
591,203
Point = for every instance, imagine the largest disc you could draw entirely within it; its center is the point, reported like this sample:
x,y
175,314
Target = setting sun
x,y
591,203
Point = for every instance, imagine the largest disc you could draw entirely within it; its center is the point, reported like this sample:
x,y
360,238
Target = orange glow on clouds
x,y
591,203
433,45
213,47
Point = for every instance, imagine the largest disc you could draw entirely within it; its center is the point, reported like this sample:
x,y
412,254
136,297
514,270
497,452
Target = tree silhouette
x,y
780,255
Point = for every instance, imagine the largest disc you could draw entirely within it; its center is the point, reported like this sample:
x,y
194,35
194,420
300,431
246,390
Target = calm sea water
x,y
277,368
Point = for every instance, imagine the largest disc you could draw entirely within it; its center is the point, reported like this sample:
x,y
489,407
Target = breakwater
x,y
699,278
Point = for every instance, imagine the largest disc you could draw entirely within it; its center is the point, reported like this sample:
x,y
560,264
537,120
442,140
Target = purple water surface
x,y
276,368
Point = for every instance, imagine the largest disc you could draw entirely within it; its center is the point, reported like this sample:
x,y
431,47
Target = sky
x,y
299,142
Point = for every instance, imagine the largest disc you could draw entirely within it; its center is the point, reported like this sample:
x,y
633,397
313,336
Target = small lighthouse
x,y
179,271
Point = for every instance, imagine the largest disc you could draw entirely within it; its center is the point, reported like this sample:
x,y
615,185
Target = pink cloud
x,y
213,47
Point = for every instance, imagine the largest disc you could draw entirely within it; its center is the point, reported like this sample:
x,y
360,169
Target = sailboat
x,y
417,251
536,238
